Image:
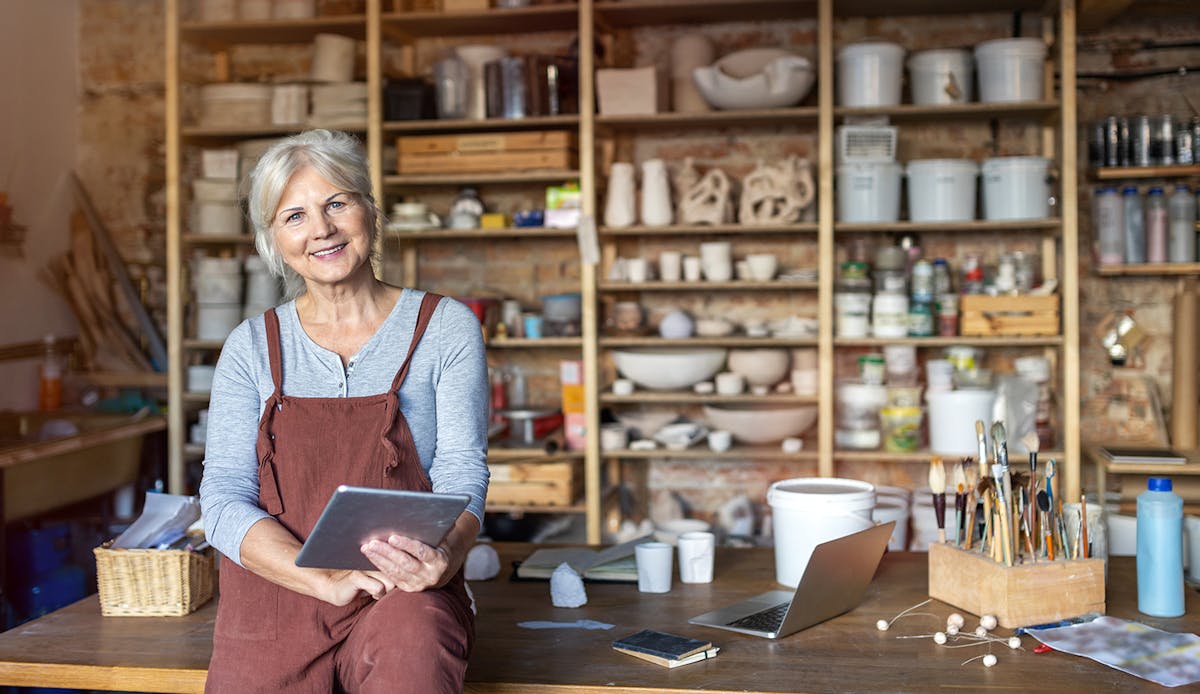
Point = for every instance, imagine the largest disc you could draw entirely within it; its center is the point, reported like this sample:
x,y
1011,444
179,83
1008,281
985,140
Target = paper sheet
x,y
577,624
1164,657
164,518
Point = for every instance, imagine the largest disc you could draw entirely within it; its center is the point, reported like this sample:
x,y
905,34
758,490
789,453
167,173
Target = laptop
x,y
834,581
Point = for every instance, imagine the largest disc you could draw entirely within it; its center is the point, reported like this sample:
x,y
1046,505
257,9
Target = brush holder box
x,y
1019,596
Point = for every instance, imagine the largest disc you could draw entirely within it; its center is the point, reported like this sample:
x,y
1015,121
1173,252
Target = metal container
x,y
1162,140
1184,144
1139,141
1096,145
1112,141
1124,144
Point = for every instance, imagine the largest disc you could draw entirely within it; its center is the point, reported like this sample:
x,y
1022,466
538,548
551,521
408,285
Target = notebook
x,y
834,581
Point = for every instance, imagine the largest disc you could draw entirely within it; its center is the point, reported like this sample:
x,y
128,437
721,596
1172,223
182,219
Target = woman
x,y
352,382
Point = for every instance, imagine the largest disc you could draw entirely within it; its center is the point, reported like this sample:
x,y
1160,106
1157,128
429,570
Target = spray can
x,y
1160,550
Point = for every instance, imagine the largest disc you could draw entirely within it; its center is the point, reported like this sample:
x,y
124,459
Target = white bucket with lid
x,y
942,76
891,508
952,417
868,192
217,280
216,321
808,511
1010,69
941,190
1016,188
870,74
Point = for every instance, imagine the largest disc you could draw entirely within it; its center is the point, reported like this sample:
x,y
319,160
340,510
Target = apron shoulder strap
x,y
273,350
428,305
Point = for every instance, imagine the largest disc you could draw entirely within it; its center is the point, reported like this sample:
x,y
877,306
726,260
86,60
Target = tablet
x,y
355,515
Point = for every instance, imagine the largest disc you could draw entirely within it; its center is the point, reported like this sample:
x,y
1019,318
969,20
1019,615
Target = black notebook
x,y
669,650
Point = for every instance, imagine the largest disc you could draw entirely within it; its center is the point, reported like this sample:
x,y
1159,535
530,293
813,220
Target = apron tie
x,y
268,477
391,408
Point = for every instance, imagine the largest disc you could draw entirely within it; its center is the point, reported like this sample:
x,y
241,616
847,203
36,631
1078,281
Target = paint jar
x,y
890,315
901,429
871,368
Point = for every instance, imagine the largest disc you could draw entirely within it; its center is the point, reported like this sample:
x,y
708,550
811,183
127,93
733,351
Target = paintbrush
x,y
1083,537
971,474
986,489
1000,448
1043,502
937,487
1058,524
960,501
1030,441
1006,546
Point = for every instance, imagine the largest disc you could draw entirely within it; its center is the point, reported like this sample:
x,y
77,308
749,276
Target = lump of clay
x,y
482,563
566,587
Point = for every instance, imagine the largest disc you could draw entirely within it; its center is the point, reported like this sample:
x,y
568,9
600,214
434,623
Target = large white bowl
x,y
669,369
760,367
755,78
759,423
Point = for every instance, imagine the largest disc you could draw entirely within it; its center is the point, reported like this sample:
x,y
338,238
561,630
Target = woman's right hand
x,y
342,587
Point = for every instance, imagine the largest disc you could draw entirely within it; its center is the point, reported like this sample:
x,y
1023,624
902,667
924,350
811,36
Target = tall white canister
x,y
807,511
952,417
942,190
1016,188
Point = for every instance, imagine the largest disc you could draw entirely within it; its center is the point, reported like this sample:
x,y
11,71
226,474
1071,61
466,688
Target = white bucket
x,y
217,280
215,321
808,511
941,190
952,417
262,288
1010,69
868,192
1016,188
941,77
890,508
217,218
869,74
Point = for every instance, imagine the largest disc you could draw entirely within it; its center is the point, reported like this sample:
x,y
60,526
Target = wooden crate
x,y
1027,314
1024,595
487,152
536,484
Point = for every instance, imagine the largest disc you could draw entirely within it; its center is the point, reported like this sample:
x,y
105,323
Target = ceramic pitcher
x,y
656,194
619,204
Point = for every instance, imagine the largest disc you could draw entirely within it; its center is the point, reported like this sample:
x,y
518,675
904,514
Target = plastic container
x,y
1016,188
901,427
941,190
943,76
853,314
868,192
870,74
1135,225
1181,224
262,288
809,511
215,321
1110,227
1010,69
1159,550
890,508
952,417
889,315
1156,226
217,280
939,375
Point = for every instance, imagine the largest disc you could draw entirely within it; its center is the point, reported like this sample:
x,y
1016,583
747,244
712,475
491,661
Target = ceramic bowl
x,y
755,78
760,367
669,369
669,531
714,327
642,424
759,423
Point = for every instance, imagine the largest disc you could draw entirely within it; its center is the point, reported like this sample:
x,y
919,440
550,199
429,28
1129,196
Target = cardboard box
x,y
1025,595
487,152
631,91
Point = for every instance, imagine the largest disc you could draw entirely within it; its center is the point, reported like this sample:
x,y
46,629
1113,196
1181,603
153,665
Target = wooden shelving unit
x,y
939,341
1149,270
461,234
695,230
414,127
979,226
480,179
1117,173
734,285
731,341
907,113
685,398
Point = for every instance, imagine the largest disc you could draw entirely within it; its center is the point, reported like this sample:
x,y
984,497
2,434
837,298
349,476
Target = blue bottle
x,y
1160,550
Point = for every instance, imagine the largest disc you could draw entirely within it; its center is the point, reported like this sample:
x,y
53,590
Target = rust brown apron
x,y
270,639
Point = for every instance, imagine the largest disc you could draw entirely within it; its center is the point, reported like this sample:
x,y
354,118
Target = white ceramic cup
x,y
670,266
613,437
719,440
622,386
804,381
730,383
692,268
696,557
762,266
654,560
636,267
716,259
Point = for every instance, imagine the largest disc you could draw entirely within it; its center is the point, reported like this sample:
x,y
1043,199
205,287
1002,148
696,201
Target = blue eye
x,y
293,217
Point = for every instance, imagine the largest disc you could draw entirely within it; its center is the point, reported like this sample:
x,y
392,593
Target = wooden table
x,y
76,647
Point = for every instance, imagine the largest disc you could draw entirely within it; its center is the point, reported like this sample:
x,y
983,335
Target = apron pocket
x,y
248,607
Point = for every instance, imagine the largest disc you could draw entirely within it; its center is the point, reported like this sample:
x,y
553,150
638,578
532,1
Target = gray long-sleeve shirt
x,y
444,398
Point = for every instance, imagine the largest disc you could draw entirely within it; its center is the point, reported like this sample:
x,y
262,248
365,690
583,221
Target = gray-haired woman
x,y
352,381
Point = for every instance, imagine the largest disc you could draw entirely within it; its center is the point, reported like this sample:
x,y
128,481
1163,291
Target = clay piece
x,y
708,201
777,193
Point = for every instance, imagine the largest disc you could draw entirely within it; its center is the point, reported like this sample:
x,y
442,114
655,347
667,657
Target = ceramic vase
x,y
689,52
656,194
619,205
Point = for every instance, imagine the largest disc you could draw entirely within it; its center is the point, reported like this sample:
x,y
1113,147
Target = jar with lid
x,y
920,319
972,274
852,306
1005,280
1026,269
942,284
922,281
890,270
889,315
947,315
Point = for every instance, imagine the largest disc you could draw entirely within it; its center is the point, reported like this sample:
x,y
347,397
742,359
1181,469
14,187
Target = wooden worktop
x,y
76,647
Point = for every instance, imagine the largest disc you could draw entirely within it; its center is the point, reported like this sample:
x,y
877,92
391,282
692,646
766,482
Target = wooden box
x,y
1025,595
487,152
1026,314
536,484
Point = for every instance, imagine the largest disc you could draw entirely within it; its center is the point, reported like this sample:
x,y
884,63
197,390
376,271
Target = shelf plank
x,y
731,341
639,13
514,508
736,453
192,343
196,397
973,227
722,229
408,127
940,341
505,233
689,398
735,285
405,26
921,456
481,178
218,34
1149,270
204,132
126,379
538,343
498,454
968,111
1115,173
800,115
218,239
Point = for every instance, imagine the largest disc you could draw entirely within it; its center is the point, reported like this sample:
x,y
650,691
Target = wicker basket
x,y
153,582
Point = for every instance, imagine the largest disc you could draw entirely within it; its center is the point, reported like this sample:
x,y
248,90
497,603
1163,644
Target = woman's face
x,y
320,230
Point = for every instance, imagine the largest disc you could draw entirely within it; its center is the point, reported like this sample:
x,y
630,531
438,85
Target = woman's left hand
x,y
411,565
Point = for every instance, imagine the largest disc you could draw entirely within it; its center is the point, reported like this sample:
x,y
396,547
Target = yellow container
x,y
901,428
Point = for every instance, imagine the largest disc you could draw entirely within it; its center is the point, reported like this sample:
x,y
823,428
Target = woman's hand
x,y
410,565
342,587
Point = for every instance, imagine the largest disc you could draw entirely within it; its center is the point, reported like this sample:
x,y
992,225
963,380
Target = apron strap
x,y
428,305
273,350
268,492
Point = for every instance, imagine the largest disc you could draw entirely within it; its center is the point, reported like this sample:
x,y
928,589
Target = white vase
x,y
619,205
656,194
689,52
476,57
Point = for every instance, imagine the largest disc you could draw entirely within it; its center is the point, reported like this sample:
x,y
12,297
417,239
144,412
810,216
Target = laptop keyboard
x,y
764,620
